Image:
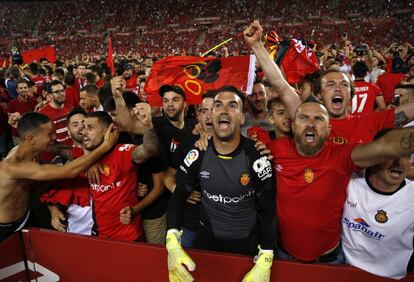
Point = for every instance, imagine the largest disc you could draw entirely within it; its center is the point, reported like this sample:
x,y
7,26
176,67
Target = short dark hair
x,y
273,101
31,122
76,111
130,98
360,69
90,89
209,94
104,93
60,72
90,78
408,86
235,90
20,81
258,80
34,68
103,117
53,83
318,84
70,79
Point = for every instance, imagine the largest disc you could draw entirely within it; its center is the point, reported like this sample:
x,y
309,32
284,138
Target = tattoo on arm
x,y
400,119
407,141
148,148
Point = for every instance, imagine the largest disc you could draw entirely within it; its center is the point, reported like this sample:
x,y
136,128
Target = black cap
x,y
173,88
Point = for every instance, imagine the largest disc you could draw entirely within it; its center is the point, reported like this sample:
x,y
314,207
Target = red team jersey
x,y
70,191
360,129
364,99
311,192
72,96
387,83
118,189
18,105
59,121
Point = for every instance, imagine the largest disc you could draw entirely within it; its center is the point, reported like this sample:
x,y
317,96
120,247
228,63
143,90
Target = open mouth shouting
x,y
337,102
224,122
396,172
310,136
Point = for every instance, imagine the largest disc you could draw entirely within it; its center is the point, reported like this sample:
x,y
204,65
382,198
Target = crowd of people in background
x,y
171,167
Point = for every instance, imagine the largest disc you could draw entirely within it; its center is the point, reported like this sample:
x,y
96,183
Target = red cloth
x,y
47,52
131,83
387,82
18,105
298,61
118,189
110,57
59,121
261,133
69,191
100,83
196,75
360,129
364,99
72,96
310,195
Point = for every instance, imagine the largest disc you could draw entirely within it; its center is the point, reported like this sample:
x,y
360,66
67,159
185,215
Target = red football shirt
x,y
364,99
118,189
360,129
60,121
39,81
387,83
18,105
310,194
72,96
131,83
70,191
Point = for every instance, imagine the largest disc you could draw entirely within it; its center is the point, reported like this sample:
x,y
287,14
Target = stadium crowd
x,y
316,171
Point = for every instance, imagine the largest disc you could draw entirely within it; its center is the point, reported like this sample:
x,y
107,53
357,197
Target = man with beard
x,y
312,176
336,90
257,102
191,214
57,110
237,210
19,170
71,201
20,105
116,209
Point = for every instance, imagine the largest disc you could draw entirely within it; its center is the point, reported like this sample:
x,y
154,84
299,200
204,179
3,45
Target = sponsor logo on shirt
x,y
205,174
279,168
191,157
263,168
244,179
309,175
381,216
359,224
125,147
105,188
351,204
229,200
183,169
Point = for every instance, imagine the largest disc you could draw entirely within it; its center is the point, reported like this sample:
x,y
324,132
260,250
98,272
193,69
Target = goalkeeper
x,y
238,195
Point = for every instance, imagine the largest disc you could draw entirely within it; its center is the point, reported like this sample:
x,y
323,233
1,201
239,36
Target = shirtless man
x,y
19,169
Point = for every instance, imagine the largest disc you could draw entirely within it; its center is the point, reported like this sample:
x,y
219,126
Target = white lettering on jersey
x,y
263,168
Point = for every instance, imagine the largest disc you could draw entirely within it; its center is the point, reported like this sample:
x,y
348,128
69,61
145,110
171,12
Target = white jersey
x,y
378,230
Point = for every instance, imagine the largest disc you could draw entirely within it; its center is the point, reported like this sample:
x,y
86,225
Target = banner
x,y
196,75
47,52
297,60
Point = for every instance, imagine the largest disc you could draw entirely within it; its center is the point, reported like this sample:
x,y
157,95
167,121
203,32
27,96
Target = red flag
x,y
110,58
297,61
47,52
196,75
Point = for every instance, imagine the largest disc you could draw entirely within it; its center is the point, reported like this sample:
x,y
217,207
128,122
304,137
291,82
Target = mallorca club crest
x,y
105,169
244,179
309,175
339,140
381,216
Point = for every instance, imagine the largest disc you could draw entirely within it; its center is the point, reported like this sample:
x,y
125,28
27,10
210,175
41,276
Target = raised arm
x,y
396,143
34,171
125,118
150,145
291,100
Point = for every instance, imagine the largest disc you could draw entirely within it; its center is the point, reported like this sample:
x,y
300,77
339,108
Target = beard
x,y
309,150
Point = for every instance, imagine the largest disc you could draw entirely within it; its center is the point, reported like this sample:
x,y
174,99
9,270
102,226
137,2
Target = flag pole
x,y
222,43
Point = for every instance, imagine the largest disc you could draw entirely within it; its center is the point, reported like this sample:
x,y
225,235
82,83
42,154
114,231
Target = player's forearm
x,y
125,118
74,168
150,141
274,75
174,211
268,222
